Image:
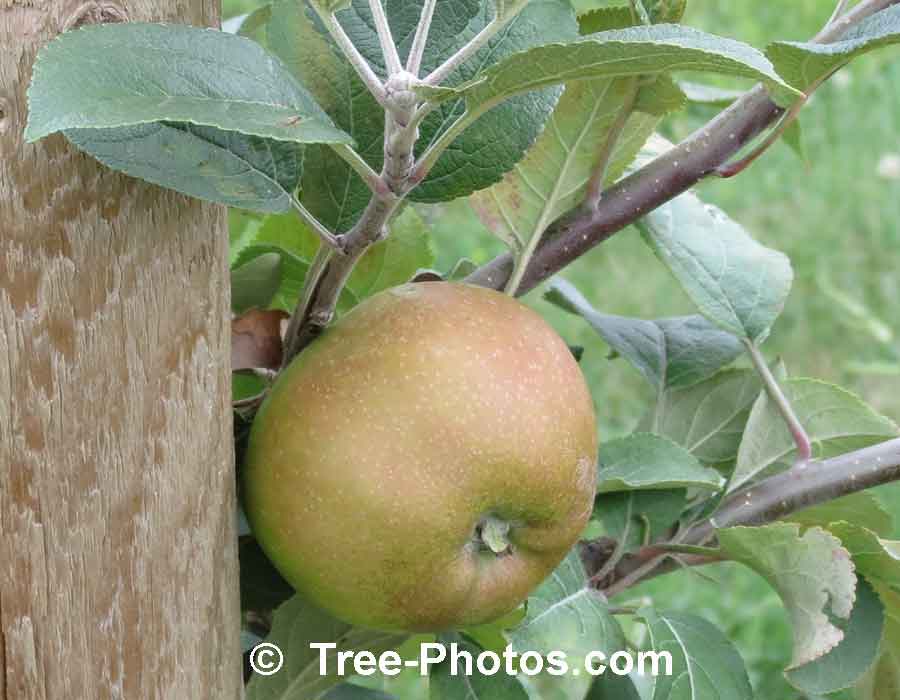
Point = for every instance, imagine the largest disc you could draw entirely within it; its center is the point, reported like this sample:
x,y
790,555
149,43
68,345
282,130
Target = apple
x,y
426,462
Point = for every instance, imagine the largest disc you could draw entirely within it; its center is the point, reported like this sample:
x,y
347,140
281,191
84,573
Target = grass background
x,y
836,217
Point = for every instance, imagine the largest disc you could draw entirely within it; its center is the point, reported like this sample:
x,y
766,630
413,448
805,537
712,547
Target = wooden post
x,y
118,560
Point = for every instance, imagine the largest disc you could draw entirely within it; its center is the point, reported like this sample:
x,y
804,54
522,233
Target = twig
x,y
388,47
777,396
414,60
727,170
293,334
833,30
440,74
838,11
326,236
659,181
772,499
357,60
362,168
434,151
598,179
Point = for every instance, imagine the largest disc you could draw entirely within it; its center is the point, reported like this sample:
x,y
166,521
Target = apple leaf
x,y
701,94
636,518
444,684
388,263
876,558
553,176
251,25
479,157
665,10
396,259
332,191
802,64
862,508
845,665
564,614
738,284
705,663
882,682
101,77
611,686
254,284
708,418
647,461
833,418
295,626
812,573
618,53
293,274
351,691
203,162
669,352
602,19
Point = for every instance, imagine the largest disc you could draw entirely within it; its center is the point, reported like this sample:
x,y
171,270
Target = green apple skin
x,y
387,441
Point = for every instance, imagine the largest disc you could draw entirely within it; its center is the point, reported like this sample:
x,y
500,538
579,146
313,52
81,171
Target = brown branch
x,y
659,181
803,486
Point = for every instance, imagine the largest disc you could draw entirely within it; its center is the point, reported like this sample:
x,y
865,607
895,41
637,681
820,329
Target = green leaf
x,y
735,282
116,75
255,284
701,94
332,191
882,682
832,417
603,19
351,691
388,263
553,176
876,558
219,166
845,665
669,352
490,634
665,10
492,145
394,260
620,53
705,664
446,685
565,615
647,461
251,25
611,686
862,508
243,227
461,269
293,273
708,418
804,64
636,518
296,625
812,573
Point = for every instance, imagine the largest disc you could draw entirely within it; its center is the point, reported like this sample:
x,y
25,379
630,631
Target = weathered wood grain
x,y
118,568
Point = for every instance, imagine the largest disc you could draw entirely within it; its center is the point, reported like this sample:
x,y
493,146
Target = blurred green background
x,y
837,217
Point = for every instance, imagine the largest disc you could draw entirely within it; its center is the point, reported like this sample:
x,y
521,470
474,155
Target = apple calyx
x,y
492,533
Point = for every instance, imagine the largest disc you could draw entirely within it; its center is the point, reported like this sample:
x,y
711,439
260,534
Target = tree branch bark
x,y
673,173
803,486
